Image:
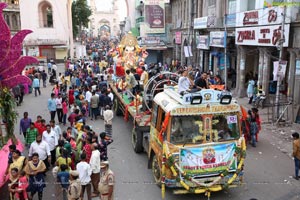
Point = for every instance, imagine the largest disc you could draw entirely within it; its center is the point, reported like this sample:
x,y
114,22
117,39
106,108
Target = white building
x,y
104,18
50,22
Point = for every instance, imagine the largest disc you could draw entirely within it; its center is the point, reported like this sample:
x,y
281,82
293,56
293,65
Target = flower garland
x,y
169,160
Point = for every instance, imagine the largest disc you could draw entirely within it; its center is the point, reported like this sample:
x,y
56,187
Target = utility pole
x,y
281,41
189,31
225,50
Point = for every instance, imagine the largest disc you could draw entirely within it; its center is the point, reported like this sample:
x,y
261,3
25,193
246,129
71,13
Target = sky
x,y
106,5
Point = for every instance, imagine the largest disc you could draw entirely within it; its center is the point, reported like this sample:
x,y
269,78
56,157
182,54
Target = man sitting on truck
x,y
184,83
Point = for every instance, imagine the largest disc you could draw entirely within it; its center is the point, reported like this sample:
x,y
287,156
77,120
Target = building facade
x,y
246,36
12,15
104,21
51,24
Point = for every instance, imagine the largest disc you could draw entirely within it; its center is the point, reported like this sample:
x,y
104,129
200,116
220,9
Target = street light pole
x,y
70,25
281,41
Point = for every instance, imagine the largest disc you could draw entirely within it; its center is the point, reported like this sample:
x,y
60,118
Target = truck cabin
x,y
205,117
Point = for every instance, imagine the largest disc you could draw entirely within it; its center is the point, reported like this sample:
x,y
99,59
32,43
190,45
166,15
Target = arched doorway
x,y
45,14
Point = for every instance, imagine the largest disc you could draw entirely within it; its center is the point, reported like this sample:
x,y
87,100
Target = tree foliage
x,y
80,15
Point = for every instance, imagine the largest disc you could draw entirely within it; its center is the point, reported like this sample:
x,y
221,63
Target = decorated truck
x,y
193,141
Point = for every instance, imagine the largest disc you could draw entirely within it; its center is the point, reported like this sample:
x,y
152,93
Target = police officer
x,y
74,189
107,180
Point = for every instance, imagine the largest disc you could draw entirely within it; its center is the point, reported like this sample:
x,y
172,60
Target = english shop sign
x,y
262,35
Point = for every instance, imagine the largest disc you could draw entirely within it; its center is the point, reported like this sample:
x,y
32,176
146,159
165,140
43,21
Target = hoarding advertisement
x,y
202,42
217,39
208,159
155,16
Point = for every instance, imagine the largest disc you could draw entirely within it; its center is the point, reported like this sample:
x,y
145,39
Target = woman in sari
x,y
35,170
18,162
13,185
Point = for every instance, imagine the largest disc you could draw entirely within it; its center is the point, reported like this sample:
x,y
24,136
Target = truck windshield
x,y
190,129
187,129
226,126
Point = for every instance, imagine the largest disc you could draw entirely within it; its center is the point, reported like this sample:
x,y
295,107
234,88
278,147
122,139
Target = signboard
x,y
208,159
202,42
155,16
217,39
262,35
150,41
297,67
265,16
200,23
231,20
178,37
221,61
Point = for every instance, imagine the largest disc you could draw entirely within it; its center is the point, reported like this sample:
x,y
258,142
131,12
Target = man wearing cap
x,y
74,189
106,184
95,166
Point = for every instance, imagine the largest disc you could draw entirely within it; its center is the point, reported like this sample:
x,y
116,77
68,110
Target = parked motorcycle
x,y
260,100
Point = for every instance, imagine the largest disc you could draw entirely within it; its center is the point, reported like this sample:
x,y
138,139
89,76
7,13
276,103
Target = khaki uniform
x,y
107,179
74,190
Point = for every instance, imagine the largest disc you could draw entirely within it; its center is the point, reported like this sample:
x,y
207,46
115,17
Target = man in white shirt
x,y
88,96
95,166
49,137
42,148
59,109
85,173
184,83
56,129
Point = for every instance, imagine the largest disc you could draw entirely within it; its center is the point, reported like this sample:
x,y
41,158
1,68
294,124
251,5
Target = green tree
x,y
80,15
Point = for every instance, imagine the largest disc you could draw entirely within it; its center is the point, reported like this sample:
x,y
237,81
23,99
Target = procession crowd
x,y
74,153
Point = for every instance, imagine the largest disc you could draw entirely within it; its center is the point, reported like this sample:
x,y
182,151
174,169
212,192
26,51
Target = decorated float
x,y
128,54
11,66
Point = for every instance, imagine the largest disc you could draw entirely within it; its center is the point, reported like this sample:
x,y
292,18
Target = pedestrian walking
x,y
107,182
50,137
85,172
95,166
35,169
36,85
104,142
296,153
250,90
63,177
65,111
253,127
24,124
74,189
52,106
59,109
44,78
31,134
108,115
42,149
94,102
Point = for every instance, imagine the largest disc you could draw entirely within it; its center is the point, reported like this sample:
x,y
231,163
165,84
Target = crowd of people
x,y
70,148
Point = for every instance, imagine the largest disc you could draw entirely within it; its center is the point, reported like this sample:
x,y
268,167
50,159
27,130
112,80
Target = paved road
x,y
268,171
